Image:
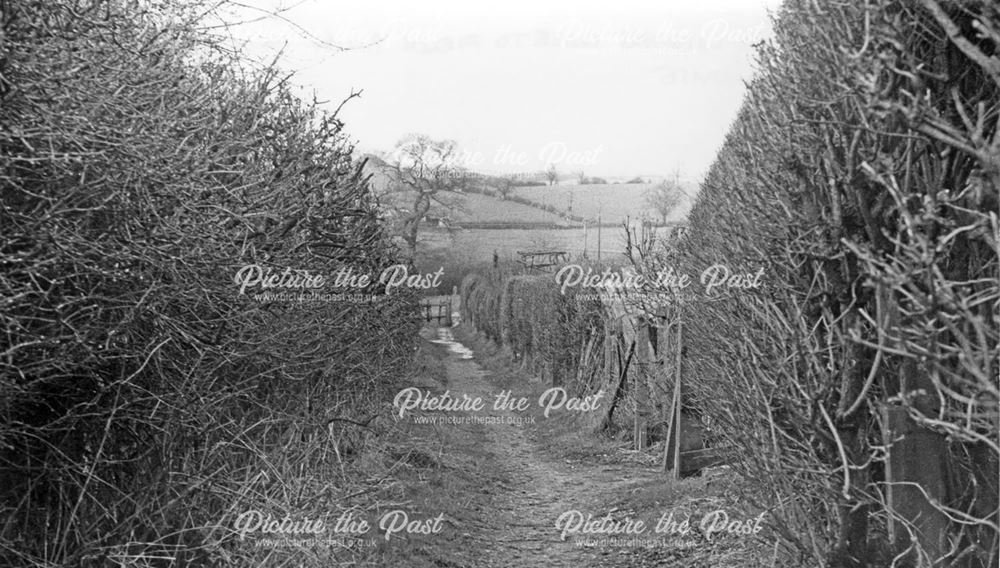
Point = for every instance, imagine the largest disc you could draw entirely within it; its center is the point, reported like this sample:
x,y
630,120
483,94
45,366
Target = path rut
x,y
518,527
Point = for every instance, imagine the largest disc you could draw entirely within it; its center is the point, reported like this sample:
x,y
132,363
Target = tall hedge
x,y
144,402
862,174
545,330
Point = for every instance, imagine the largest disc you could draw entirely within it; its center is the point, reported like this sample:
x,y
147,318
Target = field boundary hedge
x,y
146,402
860,383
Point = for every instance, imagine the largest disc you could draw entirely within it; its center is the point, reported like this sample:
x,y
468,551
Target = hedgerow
x,y
862,175
145,402
545,330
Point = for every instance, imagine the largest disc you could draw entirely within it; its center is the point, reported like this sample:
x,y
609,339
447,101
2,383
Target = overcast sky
x,y
617,88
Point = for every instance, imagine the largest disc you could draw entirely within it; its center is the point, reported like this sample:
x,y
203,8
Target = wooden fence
x,y
645,363
644,359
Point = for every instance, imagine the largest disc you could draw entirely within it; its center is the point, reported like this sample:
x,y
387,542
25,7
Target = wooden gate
x,y
437,310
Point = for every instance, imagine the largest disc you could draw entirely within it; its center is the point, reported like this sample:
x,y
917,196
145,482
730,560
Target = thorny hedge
x,y
546,332
862,174
144,402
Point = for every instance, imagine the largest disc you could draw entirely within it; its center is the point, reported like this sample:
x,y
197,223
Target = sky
x,y
611,89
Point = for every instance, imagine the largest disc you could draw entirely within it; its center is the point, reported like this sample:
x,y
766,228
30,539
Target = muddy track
x,y
516,527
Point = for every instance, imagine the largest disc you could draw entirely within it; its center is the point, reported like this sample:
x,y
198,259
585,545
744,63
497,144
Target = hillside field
x,y
475,208
614,202
477,245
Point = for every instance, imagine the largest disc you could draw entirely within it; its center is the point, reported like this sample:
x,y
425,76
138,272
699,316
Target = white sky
x,y
620,88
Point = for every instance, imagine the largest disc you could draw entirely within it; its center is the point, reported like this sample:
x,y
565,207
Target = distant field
x,y
475,208
458,250
463,251
614,202
476,245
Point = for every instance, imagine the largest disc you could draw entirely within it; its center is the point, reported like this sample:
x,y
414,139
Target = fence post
x,y
917,462
672,444
917,470
668,407
677,396
640,384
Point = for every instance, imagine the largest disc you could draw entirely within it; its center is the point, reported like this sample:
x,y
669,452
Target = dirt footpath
x,y
503,478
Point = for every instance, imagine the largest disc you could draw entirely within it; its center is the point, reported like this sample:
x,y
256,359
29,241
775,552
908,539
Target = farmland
x,y
530,228
463,208
479,244
614,202
466,250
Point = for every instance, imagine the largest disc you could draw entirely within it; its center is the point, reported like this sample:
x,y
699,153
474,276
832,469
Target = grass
x,y
570,438
614,202
476,208
564,435
477,245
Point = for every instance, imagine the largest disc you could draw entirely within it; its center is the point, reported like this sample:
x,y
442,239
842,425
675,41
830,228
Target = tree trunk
x,y
421,205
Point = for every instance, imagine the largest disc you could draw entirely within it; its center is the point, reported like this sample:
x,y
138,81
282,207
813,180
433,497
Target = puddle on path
x,y
447,338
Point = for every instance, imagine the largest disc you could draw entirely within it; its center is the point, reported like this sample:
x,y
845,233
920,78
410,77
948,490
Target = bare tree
x,y
666,196
504,185
424,167
552,175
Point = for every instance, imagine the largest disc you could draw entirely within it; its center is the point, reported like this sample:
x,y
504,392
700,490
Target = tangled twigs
x,y
862,173
145,401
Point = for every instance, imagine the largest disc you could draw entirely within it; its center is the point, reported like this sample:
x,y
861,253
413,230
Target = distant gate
x,y
437,310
